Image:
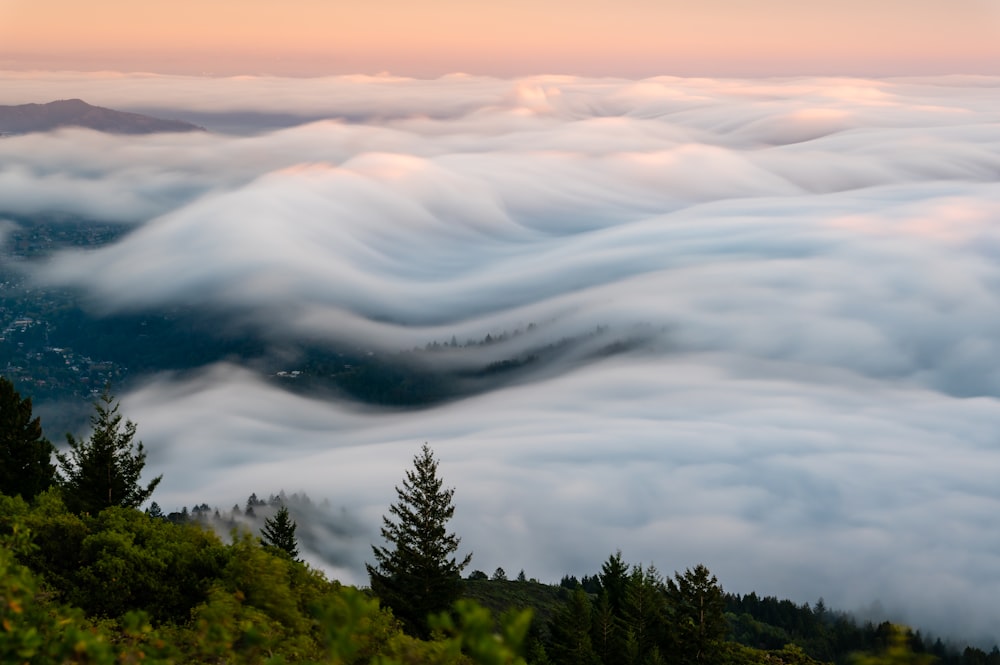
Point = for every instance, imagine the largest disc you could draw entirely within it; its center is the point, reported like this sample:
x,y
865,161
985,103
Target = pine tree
x,y
417,574
570,628
644,609
614,581
25,455
699,619
614,578
104,470
279,532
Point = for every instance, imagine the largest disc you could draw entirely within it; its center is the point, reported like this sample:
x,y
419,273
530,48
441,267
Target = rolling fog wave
x,y
814,261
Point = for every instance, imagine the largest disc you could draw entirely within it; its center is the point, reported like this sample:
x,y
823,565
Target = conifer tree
x,y
104,470
25,455
279,532
699,619
570,629
645,595
612,633
417,574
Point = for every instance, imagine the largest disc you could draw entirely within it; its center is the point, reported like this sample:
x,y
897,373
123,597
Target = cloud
x,y
811,266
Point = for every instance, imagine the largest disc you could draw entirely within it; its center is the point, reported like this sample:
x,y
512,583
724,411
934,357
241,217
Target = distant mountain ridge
x,y
27,118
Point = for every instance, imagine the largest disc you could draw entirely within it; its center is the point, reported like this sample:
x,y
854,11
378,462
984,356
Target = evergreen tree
x,y
606,630
279,533
644,610
104,470
569,582
25,455
698,608
570,629
614,582
614,579
417,574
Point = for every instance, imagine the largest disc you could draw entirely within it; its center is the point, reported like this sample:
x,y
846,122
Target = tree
x,y
279,533
570,629
610,640
614,578
104,470
25,455
698,615
644,609
416,575
898,651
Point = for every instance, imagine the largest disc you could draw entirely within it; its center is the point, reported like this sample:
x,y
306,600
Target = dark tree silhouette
x,y
104,470
279,532
699,615
570,628
416,575
25,455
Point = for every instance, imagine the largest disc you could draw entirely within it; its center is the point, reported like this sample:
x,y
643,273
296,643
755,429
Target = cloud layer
x,y
814,264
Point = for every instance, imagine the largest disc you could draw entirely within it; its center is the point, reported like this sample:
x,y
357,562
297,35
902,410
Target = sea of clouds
x,y
814,265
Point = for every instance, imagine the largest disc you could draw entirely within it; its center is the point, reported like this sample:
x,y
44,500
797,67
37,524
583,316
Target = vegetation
x,y
279,533
113,584
25,455
104,470
417,575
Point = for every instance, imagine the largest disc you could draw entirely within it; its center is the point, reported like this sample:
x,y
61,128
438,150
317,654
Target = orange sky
x,y
508,37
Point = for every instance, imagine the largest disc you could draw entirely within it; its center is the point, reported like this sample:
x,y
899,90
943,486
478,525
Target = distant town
x,y
32,350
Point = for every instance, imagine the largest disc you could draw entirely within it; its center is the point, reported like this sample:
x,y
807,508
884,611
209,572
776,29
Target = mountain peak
x,y
27,118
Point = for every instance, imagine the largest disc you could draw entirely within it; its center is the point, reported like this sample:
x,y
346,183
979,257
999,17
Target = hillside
x,y
26,118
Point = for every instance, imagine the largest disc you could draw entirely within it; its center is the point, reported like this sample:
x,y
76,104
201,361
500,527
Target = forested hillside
x,y
86,576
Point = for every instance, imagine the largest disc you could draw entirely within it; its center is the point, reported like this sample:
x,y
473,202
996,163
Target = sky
x,y
787,209
630,38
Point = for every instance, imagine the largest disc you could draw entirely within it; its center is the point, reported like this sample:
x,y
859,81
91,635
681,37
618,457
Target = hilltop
x,y
27,118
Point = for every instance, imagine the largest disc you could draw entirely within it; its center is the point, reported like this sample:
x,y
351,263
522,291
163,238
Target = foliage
x,y
418,576
123,586
121,560
471,627
545,600
698,615
35,630
279,532
897,651
104,470
645,613
129,561
571,643
25,455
